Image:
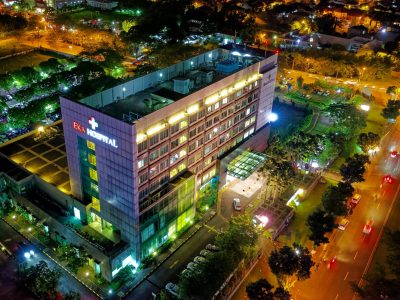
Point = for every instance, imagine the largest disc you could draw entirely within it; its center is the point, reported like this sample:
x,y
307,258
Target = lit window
x,y
94,187
182,139
92,159
77,213
225,101
93,174
96,203
91,145
182,153
181,167
173,173
212,172
216,105
183,124
140,163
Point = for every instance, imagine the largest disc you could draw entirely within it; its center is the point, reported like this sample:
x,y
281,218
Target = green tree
x,y
392,110
334,202
368,141
289,261
260,290
354,168
300,81
327,24
71,295
393,91
41,280
346,117
305,146
320,223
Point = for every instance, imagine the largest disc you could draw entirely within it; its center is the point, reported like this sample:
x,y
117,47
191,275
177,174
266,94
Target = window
x,y
142,146
216,105
192,133
154,140
248,111
164,165
94,187
174,158
92,159
183,124
163,150
182,139
200,129
182,153
225,100
209,109
173,172
153,171
91,145
164,134
239,93
147,232
207,161
192,147
140,163
207,150
174,144
181,167
143,177
193,118
202,113
174,128
96,203
154,155
209,123
93,174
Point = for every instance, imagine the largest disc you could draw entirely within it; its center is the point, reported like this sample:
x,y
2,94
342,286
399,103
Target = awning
x,y
245,164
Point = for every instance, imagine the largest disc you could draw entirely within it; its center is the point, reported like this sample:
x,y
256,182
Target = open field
x,y
11,46
17,62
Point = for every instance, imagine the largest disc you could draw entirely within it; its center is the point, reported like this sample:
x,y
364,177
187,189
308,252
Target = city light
x,y
27,255
272,117
40,129
365,107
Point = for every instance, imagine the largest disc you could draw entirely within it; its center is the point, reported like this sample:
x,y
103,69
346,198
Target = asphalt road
x,y
353,249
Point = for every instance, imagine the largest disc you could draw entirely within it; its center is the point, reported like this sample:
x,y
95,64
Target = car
x,y
393,154
236,204
388,179
331,262
356,198
212,247
368,227
172,288
199,259
343,224
185,272
191,266
205,252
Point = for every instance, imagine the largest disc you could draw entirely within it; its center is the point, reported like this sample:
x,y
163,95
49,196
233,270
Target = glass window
x,y
95,203
183,124
163,150
93,174
142,146
182,153
154,140
91,145
92,159
154,155
181,167
164,134
140,163
182,139
225,100
173,172
94,187
174,144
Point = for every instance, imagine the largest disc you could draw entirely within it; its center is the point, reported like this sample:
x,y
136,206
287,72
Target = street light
x,y
365,107
275,37
123,92
272,117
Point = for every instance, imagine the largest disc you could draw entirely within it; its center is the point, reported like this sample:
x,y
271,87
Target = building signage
x,y
93,133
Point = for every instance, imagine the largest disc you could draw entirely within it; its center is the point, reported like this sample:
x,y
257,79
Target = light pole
x,y
361,73
275,37
123,92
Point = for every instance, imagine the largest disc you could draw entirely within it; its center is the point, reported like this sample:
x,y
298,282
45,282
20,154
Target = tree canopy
x,y
320,223
368,141
354,168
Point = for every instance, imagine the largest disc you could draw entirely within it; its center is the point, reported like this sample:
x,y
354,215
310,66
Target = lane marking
x,y
337,296
355,255
174,264
345,277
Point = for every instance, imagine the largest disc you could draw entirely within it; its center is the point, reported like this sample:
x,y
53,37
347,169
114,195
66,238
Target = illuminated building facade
x,y
138,152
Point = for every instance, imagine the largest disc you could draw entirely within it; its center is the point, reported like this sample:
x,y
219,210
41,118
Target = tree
x,y
327,24
289,261
320,223
346,117
305,146
354,168
282,294
368,141
71,295
392,110
280,172
41,280
392,91
260,290
334,202
300,81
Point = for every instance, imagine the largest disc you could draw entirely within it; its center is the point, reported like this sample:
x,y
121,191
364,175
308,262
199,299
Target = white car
x,y
236,204
191,266
212,247
172,288
199,259
343,224
205,252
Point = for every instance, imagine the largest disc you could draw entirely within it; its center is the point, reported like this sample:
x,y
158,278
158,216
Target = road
x,y
9,288
353,249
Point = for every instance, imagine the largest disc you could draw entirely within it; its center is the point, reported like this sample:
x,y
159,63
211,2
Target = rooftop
x,y
42,154
141,96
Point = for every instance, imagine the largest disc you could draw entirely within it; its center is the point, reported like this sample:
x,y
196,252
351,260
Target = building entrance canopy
x,y
243,165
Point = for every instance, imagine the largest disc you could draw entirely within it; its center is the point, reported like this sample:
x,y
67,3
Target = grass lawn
x,y
298,230
10,46
73,18
17,62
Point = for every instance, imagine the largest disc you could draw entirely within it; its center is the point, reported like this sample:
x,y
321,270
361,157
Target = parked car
x,y
212,247
172,288
199,259
343,224
205,252
356,198
236,204
191,266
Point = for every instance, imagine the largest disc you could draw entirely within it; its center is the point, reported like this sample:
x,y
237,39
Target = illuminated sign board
x,y
93,133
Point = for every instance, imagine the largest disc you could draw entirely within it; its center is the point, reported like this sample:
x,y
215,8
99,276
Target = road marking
x,y
210,228
378,205
345,277
355,255
337,296
174,264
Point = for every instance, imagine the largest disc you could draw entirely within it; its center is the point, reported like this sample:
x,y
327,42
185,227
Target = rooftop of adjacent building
x,y
141,96
41,153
